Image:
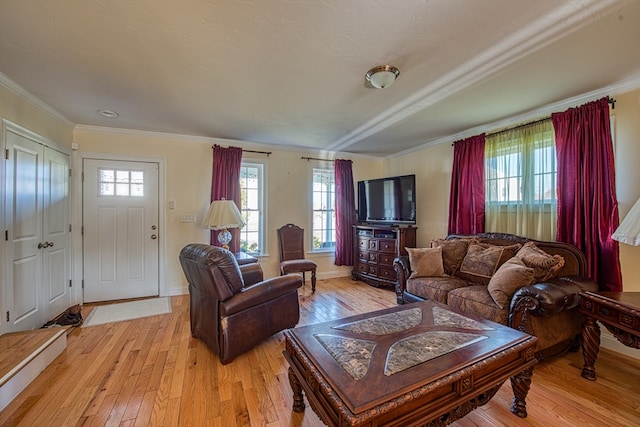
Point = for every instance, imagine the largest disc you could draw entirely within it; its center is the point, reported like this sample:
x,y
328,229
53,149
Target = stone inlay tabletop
x,y
354,354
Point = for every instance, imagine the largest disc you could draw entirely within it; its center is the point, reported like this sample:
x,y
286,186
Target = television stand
x,y
376,247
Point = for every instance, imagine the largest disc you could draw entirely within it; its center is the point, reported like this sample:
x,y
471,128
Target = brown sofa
x,y
231,307
546,308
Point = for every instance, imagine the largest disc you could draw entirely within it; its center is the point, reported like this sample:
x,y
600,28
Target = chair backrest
x,y
212,270
291,239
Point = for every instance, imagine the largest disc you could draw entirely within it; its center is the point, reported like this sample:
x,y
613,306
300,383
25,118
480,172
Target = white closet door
x,y
56,236
37,215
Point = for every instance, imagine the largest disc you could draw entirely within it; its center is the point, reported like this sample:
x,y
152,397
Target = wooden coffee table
x,y
415,363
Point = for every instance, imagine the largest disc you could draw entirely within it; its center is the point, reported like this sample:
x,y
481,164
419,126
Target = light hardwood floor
x,y
152,372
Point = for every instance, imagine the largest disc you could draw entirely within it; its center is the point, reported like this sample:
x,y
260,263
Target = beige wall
x,y
627,149
188,170
432,167
21,112
188,182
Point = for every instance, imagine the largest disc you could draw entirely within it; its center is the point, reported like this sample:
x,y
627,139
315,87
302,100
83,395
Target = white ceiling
x,y
292,72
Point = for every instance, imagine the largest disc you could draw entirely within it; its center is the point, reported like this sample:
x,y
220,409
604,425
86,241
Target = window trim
x,y
262,190
311,249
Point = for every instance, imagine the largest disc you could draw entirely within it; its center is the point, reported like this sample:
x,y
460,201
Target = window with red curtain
x,y
587,202
225,183
345,212
466,200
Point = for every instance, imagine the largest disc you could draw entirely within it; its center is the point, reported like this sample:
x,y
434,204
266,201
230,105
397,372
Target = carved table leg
x,y
590,347
298,399
520,384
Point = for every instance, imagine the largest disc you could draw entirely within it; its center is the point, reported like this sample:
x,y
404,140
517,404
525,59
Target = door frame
x,y
78,265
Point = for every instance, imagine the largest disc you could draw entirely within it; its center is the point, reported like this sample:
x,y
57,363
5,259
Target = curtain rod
x,y
535,122
611,101
315,158
268,153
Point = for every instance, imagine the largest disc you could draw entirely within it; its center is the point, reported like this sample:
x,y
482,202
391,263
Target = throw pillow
x,y
480,262
425,262
510,277
545,266
453,252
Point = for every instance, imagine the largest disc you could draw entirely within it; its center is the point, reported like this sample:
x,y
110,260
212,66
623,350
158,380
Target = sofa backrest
x,y
575,263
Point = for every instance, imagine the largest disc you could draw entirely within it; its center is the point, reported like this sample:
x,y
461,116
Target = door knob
x,y
153,236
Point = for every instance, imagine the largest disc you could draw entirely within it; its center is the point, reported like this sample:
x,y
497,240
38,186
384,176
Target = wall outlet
x,y
188,218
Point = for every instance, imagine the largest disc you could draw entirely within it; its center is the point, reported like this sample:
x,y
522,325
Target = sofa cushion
x,y
476,300
480,262
545,266
434,288
511,276
453,252
425,262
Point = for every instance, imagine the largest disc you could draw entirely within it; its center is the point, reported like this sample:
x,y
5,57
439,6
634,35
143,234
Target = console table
x,y
619,312
376,247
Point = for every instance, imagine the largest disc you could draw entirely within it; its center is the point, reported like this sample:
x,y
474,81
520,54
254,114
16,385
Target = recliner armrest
x,y
259,293
251,274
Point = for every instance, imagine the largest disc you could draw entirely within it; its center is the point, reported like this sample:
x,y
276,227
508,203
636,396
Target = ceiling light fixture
x,y
109,114
382,76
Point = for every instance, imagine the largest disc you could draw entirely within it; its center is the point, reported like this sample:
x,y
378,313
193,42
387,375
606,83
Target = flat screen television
x,y
387,200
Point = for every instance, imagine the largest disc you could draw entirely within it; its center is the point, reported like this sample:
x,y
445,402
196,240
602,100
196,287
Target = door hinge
x,y
82,230
70,228
7,315
70,283
6,154
82,176
82,283
70,172
6,235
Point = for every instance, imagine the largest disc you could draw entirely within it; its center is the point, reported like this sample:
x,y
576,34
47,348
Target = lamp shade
x,y
629,230
223,214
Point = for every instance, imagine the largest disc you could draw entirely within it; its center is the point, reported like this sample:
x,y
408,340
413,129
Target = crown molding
x,y
262,146
627,85
28,97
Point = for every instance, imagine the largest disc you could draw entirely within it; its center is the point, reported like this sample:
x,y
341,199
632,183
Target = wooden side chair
x,y
291,239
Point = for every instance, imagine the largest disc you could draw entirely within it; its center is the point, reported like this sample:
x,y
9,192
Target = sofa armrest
x,y
545,299
259,293
403,271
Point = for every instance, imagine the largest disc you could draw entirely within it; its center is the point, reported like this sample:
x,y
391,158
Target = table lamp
x,y
222,215
629,230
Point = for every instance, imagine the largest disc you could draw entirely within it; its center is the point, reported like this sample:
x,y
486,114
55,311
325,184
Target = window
x,y
251,186
520,175
324,217
118,182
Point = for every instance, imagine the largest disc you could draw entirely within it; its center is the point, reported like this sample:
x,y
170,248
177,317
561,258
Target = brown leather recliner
x,y
232,315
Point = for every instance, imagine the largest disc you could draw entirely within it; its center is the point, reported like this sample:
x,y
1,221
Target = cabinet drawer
x,y
373,257
385,245
363,243
362,268
386,273
372,245
372,269
363,256
386,258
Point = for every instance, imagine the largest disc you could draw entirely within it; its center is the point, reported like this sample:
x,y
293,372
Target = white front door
x,y
120,229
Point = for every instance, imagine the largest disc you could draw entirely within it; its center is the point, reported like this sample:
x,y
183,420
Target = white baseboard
x,y
608,341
